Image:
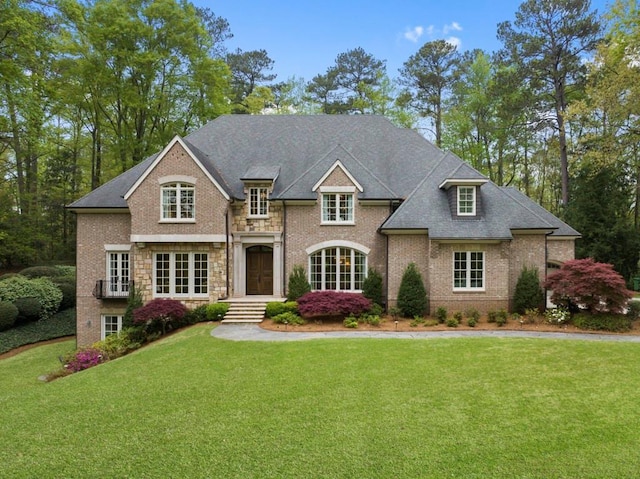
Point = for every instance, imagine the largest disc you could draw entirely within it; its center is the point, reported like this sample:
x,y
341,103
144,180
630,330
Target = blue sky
x,y
304,37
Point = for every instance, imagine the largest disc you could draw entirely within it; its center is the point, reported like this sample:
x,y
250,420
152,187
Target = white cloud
x,y
455,41
413,34
453,27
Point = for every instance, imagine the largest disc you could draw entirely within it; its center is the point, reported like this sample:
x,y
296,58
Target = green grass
x,y
195,406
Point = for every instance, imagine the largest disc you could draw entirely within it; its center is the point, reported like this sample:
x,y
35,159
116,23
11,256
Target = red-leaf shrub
x,y
332,303
159,310
586,284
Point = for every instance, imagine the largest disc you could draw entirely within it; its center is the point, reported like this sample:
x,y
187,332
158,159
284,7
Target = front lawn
x,y
194,406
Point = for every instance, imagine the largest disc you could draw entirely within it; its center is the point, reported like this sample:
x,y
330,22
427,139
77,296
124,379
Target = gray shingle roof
x,y
389,163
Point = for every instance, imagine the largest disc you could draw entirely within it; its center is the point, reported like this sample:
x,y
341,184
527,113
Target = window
x,y
342,269
111,324
466,200
337,208
468,270
118,274
178,202
258,201
181,274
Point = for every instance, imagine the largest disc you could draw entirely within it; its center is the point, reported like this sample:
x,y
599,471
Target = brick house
x,y
227,212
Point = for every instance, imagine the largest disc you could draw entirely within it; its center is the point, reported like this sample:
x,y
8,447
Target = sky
x,y
304,37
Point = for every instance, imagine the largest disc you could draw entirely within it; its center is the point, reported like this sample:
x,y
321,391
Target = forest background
x,y
90,88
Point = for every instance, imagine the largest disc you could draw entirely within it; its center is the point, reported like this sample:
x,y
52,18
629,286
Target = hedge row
x,y
59,325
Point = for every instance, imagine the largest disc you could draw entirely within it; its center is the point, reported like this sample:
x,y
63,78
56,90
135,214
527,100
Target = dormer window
x,y
466,200
258,202
178,202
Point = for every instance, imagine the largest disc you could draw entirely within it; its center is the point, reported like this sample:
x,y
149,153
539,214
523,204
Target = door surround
x,y
246,239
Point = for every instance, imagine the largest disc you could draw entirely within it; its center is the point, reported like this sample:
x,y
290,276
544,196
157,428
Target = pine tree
x,y
372,287
528,293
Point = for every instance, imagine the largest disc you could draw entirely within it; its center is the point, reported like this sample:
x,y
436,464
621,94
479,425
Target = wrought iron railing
x,y
112,289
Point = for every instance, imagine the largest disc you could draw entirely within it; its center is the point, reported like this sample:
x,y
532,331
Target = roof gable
x,y
338,164
176,141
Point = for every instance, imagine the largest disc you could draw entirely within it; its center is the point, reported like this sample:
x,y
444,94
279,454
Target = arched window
x,y
178,201
338,268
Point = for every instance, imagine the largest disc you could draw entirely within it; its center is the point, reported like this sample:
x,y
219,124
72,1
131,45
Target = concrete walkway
x,y
253,332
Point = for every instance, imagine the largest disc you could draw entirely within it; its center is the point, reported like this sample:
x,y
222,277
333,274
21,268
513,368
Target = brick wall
x,y
94,232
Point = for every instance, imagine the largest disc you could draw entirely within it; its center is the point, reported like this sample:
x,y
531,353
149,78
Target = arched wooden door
x,y
260,270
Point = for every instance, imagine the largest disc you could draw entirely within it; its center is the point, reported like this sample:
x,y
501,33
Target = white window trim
x,y
473,200
120,283
179,184
468,270
337,221
323,280
172,275
258,188
103,317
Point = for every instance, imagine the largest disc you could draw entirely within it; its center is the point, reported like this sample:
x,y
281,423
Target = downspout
x,y
284,248
227,265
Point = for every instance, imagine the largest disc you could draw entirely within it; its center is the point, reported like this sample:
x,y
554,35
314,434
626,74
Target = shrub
x,y
134,301
472,313
531,316
376,309
441,314
584,283
41,272
216,311
68,291
195,315
372,287
8,315
275,308
457,316
47,293
29,309
369,318
160,311
350,322
298,284
116,345
395,312
617,323
59,325
288,317
83,359
472,322
453,322
528,293
557,316
332,303
412,297
633,310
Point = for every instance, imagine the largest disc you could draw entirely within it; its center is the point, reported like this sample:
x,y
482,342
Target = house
x,y
229,210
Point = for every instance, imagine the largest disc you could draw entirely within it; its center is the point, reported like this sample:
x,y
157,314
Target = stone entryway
x,y
259,270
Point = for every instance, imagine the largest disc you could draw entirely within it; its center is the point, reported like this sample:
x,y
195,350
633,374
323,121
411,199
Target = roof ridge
x,y
364,167
507,189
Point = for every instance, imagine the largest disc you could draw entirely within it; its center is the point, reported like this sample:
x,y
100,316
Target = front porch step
x,y
245,312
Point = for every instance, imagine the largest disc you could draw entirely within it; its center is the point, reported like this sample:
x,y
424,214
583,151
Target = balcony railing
x,y
112,289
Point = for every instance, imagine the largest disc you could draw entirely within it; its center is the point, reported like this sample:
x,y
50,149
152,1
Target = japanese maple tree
x,y
587,284
163,311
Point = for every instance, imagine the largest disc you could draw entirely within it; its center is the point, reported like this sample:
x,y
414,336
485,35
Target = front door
x,y
260,270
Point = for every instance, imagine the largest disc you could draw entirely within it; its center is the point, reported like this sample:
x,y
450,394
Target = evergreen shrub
x,y
216,311
528,293
617,323
372,287
8,315
298,284
412,296
47,293
274,308
29,309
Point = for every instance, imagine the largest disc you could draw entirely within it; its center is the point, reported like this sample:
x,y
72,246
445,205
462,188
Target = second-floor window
x,y
258,201
466,200
337,207
178,202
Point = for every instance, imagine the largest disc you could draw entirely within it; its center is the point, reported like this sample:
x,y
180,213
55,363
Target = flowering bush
x,y
332,303
83,359
557,316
